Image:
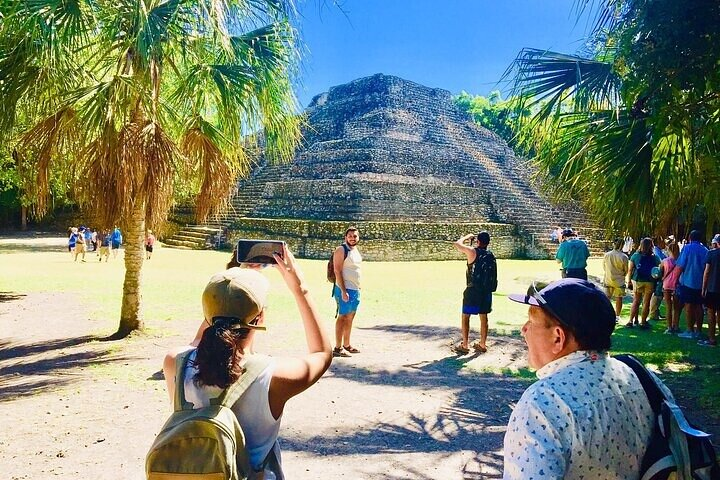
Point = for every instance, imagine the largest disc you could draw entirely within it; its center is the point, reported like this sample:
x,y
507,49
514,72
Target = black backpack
x,y
644,268
483,273
677,449
331,268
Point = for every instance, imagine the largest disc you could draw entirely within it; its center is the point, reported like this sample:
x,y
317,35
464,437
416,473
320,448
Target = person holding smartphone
x,y
234,303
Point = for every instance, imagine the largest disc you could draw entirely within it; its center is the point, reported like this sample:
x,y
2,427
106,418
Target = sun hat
x,y
568,232
575,303
237,294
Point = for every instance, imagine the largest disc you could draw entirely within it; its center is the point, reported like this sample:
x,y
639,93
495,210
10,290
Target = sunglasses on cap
x,y
235,323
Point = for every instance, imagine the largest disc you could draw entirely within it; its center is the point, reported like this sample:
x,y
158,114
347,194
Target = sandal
x,y
339,352
459,349
479,348
351,349
629,324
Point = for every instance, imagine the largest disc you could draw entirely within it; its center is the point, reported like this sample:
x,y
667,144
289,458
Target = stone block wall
x,y
377,199
379,241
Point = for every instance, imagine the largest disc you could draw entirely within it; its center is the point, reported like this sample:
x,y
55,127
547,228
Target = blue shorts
x,y
351,305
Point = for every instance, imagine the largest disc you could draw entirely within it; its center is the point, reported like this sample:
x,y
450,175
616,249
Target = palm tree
x,y
630,127
134,97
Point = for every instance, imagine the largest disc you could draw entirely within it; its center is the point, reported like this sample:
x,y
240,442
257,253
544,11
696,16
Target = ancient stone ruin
x,y
405,165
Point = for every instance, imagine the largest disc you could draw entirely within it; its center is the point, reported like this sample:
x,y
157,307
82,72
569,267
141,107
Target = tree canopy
x,y
134,97
630,124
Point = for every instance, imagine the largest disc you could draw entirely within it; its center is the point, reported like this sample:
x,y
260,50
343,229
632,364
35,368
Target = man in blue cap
x,y
587,416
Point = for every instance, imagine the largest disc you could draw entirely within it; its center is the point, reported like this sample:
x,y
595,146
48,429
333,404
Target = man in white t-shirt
x,y
346,263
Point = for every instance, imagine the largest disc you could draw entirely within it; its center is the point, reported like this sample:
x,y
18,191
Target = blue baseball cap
x,y
577,304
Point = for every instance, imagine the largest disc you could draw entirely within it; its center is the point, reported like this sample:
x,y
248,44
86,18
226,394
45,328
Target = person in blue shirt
x,y
116,241
691,264
572,254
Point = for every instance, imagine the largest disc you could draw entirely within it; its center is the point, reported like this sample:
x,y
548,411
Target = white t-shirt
x,y
252,410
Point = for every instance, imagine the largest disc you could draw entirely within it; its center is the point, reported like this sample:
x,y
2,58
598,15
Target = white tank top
x,y
351,269
252,410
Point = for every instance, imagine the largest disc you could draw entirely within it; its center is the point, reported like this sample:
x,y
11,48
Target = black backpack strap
x,y
655,396
254,366
181,361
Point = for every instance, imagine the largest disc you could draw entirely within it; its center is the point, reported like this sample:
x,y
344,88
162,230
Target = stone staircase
x,y
195,237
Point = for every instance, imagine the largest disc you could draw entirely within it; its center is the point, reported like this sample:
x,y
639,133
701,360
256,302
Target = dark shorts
x,y
148,248
712,300
580,273
115,245
689,295
476,301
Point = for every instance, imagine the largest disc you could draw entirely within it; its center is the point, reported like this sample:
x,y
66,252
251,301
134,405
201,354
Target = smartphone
x,y
258,251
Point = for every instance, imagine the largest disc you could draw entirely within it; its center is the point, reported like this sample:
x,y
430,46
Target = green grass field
x,y
394,293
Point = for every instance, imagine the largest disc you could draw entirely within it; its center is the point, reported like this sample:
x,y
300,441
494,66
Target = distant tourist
x,y
587,416
80,247
149,244
659,246
104,240
555,234
115,241
711,290
615,268
640,269
628,246
481,282
572,254
72,240
670,276
346,291
691,264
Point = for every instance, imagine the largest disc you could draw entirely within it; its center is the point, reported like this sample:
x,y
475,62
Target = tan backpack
x,y
206,443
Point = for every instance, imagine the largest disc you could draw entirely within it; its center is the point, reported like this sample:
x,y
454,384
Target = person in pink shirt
x,y
670,276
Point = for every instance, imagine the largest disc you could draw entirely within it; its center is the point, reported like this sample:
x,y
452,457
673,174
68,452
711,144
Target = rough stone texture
x,y
379,240
382,148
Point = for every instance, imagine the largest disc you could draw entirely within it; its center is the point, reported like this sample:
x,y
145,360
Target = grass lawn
x,y
397,293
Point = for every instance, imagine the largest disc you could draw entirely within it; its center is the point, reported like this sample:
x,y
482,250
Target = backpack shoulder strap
x,y
655,396
179,403
346,249
254,366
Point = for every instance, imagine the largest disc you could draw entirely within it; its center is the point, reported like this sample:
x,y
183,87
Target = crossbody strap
x,y
179,402
652,390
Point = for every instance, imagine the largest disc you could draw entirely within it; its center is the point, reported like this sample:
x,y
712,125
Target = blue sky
x,y
451,44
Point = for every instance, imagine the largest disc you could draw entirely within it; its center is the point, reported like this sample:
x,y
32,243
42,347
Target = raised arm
x,y
294,375
466,250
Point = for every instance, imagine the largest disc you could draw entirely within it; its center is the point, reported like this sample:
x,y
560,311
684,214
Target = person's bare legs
x,y
635,306
712,322
483,330
618,306
670,306
646,306
698,313
465,325
689,317
343,327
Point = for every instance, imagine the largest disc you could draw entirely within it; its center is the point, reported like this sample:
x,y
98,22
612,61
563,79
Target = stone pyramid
x,y
402,162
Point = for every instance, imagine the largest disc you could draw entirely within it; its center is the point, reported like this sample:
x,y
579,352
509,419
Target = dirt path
x,y
403,408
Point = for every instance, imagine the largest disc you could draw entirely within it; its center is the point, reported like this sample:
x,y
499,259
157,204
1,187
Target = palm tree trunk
x,y
134,239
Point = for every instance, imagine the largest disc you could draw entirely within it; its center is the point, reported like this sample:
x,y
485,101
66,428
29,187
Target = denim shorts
x,y
689,295
351,305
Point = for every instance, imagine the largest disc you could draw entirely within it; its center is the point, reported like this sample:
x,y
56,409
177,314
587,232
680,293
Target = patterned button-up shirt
x,y
587,417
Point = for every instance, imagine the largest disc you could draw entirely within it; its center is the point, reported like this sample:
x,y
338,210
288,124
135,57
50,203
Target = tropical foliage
x,y
132,98
491,112
630,126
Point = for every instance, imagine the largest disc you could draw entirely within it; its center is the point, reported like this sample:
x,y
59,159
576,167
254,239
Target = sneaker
x,y
339,352
707,343
629,324
669,331
617,319
687,334
644,326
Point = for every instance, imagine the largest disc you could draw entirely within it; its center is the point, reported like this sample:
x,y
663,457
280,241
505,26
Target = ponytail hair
x,y
219,354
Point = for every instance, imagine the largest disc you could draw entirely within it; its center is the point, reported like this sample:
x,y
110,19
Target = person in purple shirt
x,y
691,264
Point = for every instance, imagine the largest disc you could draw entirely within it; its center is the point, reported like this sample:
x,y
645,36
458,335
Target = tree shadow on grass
x,y
19,247
473,420
31,368
11,296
